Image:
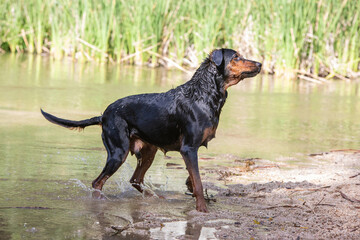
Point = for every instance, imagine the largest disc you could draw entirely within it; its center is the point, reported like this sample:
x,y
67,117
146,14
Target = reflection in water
x,y
170,230
50,167
173,230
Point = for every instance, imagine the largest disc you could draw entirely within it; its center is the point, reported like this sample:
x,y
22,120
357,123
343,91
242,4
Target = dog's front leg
x,y
190,156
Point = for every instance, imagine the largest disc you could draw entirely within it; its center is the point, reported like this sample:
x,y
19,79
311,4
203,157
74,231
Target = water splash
x,y
125,173
80,184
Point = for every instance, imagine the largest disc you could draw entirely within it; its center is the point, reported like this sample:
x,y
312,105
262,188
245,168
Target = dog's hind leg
x,y
116,141
145,155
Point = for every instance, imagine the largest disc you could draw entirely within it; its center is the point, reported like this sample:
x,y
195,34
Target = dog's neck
x,y
206,86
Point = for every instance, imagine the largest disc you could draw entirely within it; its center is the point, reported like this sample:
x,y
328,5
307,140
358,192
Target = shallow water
x,y
46,170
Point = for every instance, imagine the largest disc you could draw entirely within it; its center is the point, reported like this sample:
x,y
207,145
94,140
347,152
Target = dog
x,y
181,119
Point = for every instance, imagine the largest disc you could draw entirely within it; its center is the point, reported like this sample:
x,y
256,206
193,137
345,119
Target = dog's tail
x,y
72,124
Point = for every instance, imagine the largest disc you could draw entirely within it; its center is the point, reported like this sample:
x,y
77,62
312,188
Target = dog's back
x,y
151,117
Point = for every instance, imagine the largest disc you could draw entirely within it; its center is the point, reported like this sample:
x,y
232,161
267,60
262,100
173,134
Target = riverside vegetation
x,y
314,38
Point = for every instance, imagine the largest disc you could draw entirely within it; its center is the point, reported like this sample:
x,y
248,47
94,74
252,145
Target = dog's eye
x,y
238,58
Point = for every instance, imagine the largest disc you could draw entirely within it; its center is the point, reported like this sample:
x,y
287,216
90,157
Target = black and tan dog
x,y
182,119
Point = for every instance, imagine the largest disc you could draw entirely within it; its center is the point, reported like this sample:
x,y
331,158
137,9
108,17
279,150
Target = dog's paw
x,y
97,194
201,208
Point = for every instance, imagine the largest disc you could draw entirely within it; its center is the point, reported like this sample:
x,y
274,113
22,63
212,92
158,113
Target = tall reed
x,y
316,36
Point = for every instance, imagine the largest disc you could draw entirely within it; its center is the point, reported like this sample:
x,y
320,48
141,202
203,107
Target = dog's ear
x,y
217,57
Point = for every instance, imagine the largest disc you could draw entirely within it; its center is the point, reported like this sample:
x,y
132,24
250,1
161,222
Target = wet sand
x,y
320,200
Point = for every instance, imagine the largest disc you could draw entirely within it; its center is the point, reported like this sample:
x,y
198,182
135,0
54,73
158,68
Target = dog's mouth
x,y
252,73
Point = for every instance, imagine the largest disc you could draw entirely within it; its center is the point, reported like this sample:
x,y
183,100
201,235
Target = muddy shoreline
x,y
274,201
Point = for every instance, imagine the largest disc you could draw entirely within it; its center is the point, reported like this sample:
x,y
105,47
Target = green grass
x,y
320,36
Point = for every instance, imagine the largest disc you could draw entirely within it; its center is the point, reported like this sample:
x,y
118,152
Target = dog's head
x,y
233,67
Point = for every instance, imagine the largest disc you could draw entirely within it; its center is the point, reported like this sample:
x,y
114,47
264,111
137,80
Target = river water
x,y
46,171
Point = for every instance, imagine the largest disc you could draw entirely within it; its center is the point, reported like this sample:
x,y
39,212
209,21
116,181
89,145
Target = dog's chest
x,y
208,134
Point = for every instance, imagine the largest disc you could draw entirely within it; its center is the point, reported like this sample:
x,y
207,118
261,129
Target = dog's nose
x,y
258,65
